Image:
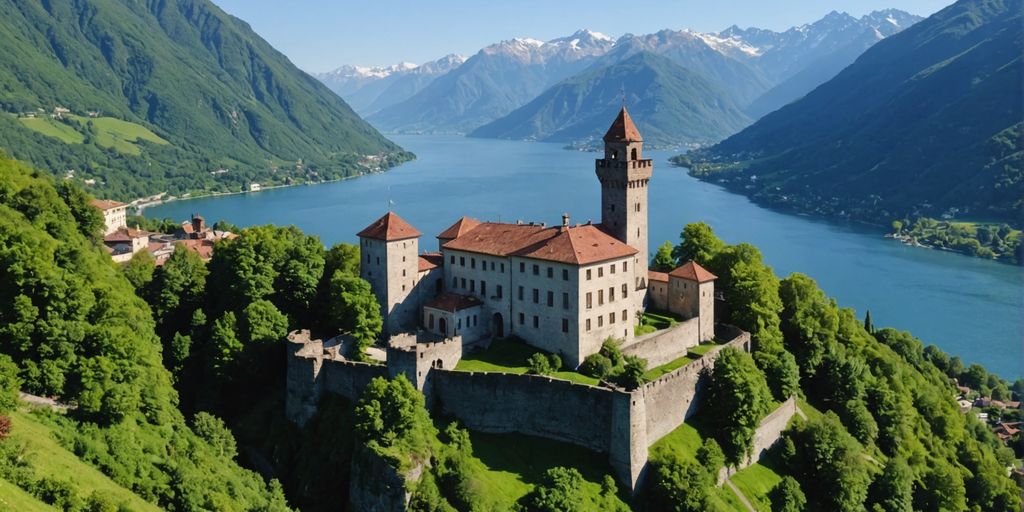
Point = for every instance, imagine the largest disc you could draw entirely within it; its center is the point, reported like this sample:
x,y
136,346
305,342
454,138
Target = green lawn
x,y
13,498
658,319
681,443
668,367
53,128
756,482
511,464
120,135
510,357
48,457
703,348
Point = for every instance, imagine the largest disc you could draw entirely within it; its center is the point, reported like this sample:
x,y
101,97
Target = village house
x,y
564,289
115,214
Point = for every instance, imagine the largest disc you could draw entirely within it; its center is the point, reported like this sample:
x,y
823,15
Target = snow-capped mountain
x,y
369,89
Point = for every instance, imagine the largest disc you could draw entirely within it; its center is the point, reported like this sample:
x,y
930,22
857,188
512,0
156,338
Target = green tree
x,y
679,486
539,364
787,496
868,325
597,366
353,308
225,344
710,455
859,421
752,292
560,490
216,434
810,321
262,323
10,384
897,226
391,413
343,257
893,490
139,270
827,455
740,399
942,488
633,370
178,289
781,371
664,261
88,218
699,243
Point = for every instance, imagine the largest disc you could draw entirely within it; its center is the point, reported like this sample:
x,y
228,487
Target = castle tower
x,y
389,261
624,175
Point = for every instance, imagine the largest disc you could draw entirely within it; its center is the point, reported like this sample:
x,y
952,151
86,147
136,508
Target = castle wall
x,y
768,432
528,404
416,360
666,345
707,311
657,295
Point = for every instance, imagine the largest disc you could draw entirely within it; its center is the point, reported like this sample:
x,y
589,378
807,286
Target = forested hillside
x,y
926,122
213,94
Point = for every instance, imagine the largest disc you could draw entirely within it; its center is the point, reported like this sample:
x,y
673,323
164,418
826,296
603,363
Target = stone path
x,y
739,494
39,401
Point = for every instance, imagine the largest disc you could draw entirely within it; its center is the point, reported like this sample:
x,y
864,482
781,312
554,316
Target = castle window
x,y
551,299
625,315
430,323
611,317
474,320
455,282
612,268
590,300
472,285
600,272
403,287
611,294
588,274
403,272
536,321
522,267
638,207
600,321
483,288
460,324
600,297
367,258
565,300
453,259
625,291
565,325
472,263
497,292
462,261
536,296
492,266
565,274
522,319
632,154
588,325
463,281
520,293
502,268
625,266
551,273
613,207
403,259
378,260
536,270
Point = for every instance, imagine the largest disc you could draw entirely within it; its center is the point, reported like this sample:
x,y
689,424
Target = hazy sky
x,y
320,35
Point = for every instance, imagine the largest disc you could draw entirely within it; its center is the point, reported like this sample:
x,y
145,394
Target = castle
x,y
563,289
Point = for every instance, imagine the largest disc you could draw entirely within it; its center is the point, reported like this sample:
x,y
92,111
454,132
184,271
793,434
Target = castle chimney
x,y
565,220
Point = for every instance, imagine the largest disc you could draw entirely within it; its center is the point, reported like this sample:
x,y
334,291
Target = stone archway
x,y
498,326
442,325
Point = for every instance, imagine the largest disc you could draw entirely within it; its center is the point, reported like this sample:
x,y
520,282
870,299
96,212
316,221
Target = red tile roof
x,y
458,229
125,235
623,129
579,245
430,261
204,248
389,228
693,272
657,276
453,302
106,204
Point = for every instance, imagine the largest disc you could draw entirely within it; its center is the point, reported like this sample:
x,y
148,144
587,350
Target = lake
x,y
967,306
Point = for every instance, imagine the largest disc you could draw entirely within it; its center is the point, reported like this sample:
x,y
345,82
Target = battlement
x,y
602,163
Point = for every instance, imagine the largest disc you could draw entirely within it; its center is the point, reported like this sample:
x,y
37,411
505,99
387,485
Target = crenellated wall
x,y
666,345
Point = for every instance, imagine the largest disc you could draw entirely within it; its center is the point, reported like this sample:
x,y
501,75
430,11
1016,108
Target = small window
x,y
612,268
462,261
565,325
565,300
536,270
611,317
430,324
588,274
625,266
536,296
403,273
600,321
522,319
378,260
551,299
463,281
502,268
455,282
565,274
522,267
472,263
520,293
536,321
600,297
600,272
590,300
497,292
452,260
368,258
551,273
483,288
625,315
588,325
472,285
625,291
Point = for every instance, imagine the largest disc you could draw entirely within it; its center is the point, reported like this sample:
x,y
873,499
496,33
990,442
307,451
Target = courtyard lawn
x,y
511,357
669,367
658,319
702,349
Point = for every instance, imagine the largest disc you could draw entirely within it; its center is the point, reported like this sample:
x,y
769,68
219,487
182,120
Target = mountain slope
x,y
368,90
195,76
672,104
492,83
924,121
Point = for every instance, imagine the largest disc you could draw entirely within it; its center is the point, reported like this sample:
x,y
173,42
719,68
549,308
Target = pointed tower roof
x,y
623,129
389,228
691,271
460,227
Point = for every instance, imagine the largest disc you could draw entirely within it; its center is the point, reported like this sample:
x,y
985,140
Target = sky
x,y
320,35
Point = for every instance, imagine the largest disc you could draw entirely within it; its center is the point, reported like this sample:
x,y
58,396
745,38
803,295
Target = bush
x,y
710,456
597,366
102,501
10,383
59,493
680,487
610,349
554,362
559,491
213,430
5,427
539,364
786,496
632,375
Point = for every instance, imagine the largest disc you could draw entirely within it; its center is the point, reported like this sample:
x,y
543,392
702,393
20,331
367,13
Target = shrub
x,y
786,496
554,362
213,430
632,375
559,491
711,456
59,493
539,364
9,384
597,366
610,349
5,427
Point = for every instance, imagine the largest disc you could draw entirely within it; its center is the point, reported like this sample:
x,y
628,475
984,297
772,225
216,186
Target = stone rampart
x,y
666,345
768,432
528,404
415,358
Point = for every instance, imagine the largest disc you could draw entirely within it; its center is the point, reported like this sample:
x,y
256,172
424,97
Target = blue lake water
x,y
967,306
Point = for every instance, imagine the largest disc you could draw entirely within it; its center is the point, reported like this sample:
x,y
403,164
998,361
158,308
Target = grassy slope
x,y
510,357
51,128
13,498
49,458
110,132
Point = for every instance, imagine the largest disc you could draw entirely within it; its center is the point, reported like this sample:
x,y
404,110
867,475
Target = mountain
x,y
368,90
492,83
176,89
672,105
807,56
925,121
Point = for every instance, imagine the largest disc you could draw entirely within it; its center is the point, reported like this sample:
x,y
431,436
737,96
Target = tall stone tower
x,y
389,261
624,175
